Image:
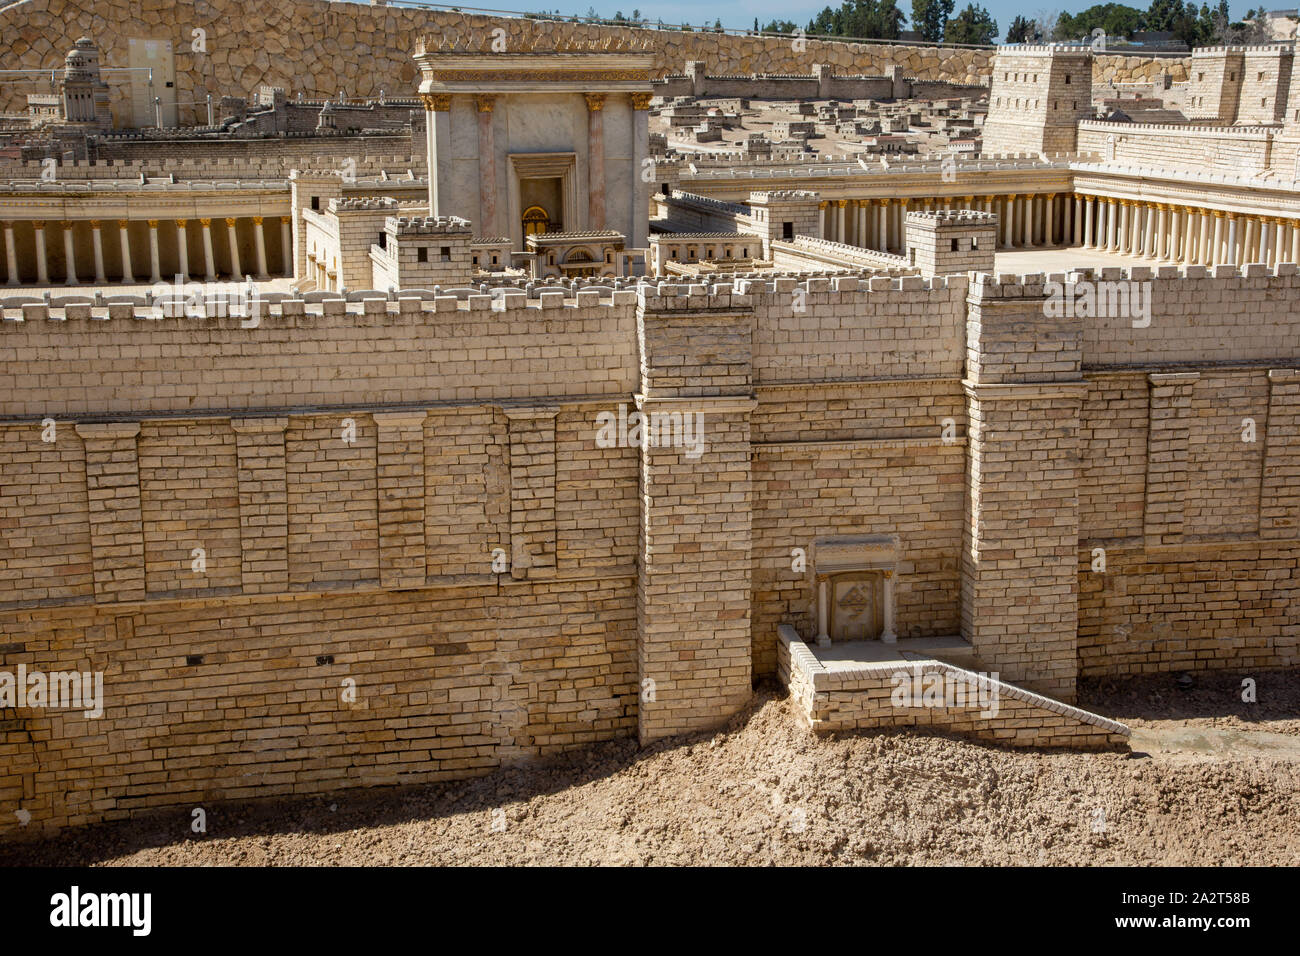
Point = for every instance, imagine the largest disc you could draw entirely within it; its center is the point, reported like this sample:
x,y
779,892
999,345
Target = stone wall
x,y
413,497
320,48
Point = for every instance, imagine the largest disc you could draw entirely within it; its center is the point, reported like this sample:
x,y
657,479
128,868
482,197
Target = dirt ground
x,y
1211,781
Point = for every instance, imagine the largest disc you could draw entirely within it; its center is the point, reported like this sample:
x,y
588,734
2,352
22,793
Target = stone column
x,y
182,249
640,142
1189,242
1248,241
209,262
97,243
42,265
1295,241
823,612
840,234
1125,224
821,220
1279,242
1087,223
1027,235
595,160
259,247
155,269
286,244
887,633
1008,219
1049,219
1162,230
1112,227
69,256
124,237
1232,239
883,239
235,271
1204,248
437,125
11,255
1216,251
113,495
487,172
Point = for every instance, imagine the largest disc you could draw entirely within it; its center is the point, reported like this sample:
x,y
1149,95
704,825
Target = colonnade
x,y
1188,235
142,262
1025,220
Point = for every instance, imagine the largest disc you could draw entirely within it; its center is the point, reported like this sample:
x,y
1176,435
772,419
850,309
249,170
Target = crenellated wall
x,y
241,525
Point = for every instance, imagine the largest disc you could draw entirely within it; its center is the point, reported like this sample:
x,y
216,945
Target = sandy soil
x,y
765,791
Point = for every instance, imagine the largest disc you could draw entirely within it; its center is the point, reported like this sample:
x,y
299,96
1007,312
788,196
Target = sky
x,y
738,15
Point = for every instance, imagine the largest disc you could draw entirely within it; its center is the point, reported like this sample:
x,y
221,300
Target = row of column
x,y
1037,219
1184,234
129,275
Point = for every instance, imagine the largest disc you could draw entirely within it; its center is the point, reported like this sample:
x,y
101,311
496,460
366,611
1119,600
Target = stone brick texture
x,y
410,495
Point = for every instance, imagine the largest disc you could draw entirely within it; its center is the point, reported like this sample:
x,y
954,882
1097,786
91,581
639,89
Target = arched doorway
x,y
535,221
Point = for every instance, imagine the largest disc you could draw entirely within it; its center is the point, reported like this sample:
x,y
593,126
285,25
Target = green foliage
x,y
972,25
862,19
1116,19
929,17
1023,30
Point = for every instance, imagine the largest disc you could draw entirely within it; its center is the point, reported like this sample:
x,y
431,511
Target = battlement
x,y
1045,49
953,217
362,204
1284,49
427,225
784,195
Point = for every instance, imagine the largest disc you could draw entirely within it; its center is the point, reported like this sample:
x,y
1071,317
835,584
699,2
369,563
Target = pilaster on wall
x,y
399,471
1170,403
1279,504
532,489
1019,566
116,525
694,587
263,504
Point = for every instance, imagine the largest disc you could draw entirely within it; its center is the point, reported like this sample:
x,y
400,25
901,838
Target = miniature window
x,y
494,260
1067,79
422,254
445,253
475,260
315,202
954,246
383,240
787,228
974,242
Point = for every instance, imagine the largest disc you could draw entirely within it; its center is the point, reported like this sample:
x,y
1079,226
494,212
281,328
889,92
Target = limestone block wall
x,y
320,48
1037,97
865,437
1236,151
1019,561
862,698
355,547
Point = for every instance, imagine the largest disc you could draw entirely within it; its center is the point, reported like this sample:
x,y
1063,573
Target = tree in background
x,y
929,17
1023,31
1173,16
1116,19
780,26
862,19
973,25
